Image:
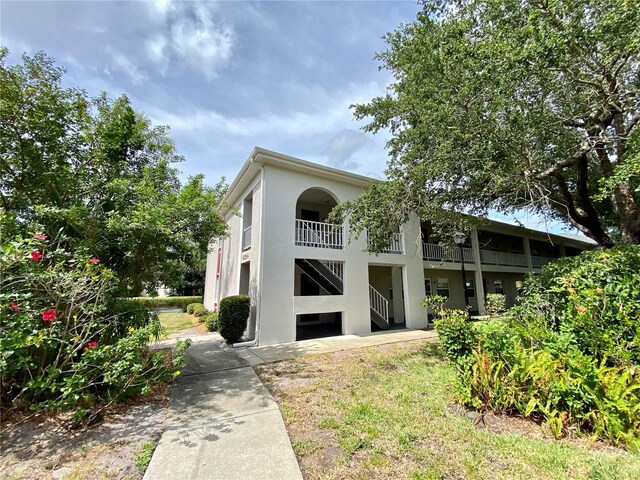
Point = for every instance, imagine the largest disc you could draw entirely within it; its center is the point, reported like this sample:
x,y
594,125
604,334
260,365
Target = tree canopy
x,y
94,173
510,105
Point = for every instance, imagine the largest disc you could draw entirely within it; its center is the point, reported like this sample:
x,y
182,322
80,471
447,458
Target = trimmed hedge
x,y
233,316
211,321
198,310
159,302
190,308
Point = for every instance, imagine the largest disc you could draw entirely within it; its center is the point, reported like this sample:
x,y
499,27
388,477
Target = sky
x,y
228,76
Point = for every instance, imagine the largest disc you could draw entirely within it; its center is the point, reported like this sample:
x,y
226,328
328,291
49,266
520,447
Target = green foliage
x,y
143,456
165,302
494,303
211,321
568,354
456,335
233,316
594,297
65,341
191,306
99,173
435,303
127,314
198,310
498,105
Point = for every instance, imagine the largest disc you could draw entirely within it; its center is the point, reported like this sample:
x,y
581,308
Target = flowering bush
x,y
65,341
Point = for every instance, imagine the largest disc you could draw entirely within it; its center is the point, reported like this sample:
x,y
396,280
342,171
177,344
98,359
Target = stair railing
x,y
378,303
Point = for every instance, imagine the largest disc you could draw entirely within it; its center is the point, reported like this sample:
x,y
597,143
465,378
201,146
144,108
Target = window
x,y
470,289
427,286
219,263
498,286
442,287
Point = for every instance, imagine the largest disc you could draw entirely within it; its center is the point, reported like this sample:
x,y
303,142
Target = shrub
x,y
494,303
198,310
127,314
64,340
568,354
233,316
595,296
211,322
456,335
190,307
435,303
165,302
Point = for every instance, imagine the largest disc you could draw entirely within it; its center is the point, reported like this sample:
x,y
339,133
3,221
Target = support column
x,y
475,245
563,252
527,252
356,317
398,303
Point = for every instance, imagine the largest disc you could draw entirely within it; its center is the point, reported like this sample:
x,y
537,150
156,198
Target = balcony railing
x,y
395,245
246,238
319,234
506,259
439,253
538,262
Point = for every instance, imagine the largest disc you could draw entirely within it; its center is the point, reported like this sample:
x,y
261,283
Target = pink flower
x,y
49,315
40,236
94,260
91,345
36,256
15,307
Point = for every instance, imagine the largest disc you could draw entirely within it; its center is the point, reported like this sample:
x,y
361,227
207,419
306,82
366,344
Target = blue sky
x,y
227,76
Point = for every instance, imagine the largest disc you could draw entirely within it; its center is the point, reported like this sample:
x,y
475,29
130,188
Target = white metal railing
x,y
503,258
538,262
246,238
378,303
319,234
395,245
434,252
336,267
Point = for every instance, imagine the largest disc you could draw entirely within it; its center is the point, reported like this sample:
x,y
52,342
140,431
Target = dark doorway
x,y
310,215
308,325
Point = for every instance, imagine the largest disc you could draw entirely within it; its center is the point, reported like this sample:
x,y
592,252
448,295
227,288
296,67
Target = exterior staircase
x,y
324,273
329,275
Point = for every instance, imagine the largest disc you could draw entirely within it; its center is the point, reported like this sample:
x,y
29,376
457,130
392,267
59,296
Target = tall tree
x,y
511,105
96,174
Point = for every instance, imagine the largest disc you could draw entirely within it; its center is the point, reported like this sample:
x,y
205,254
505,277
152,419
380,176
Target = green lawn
x,y
175,322
388,412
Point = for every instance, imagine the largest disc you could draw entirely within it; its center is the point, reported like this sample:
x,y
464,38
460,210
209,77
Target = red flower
x,y
15,306
49,315
40,236
94,260
91,345
35,256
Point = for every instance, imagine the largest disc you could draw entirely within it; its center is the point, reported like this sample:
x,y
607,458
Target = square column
x,y
475,245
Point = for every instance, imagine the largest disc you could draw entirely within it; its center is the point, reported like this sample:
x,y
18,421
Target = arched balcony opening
x,y
312,228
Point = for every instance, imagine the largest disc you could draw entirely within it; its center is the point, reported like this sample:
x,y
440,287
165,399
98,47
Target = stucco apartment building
x,y
305,278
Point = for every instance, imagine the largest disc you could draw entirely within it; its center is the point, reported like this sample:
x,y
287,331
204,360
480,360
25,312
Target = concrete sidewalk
x,y
223,424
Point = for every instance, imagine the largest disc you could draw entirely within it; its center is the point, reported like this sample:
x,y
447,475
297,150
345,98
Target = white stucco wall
x,y
275,183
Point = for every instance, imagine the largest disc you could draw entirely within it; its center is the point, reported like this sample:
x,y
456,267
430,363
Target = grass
x,y
143,456
176,322
388,412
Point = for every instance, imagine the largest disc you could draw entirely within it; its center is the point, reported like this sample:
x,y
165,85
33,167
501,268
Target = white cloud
x,y
342,146
201,43
122,63
190,37
157,51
